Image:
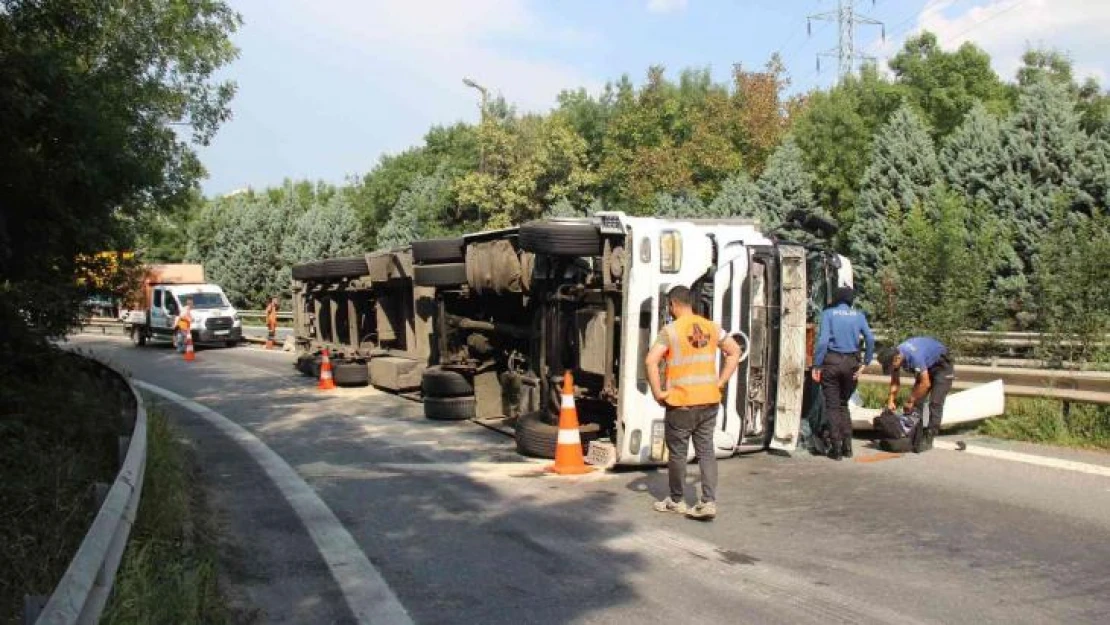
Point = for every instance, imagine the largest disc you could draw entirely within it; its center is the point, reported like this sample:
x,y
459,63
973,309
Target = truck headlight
x,y
670,251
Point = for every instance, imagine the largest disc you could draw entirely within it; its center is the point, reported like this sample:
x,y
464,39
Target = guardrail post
x,y
32,607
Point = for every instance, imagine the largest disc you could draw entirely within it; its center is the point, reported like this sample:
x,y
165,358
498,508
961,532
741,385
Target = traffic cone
x,y
568,450
327,383
190,356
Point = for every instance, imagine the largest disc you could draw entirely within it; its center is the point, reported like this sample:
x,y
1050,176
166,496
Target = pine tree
x,y
972,155
421,203
1042,145
327,230
679,206
563,208
902,172
785,192
246,256
739,197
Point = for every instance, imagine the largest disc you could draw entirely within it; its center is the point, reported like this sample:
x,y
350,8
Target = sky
x,y
325,87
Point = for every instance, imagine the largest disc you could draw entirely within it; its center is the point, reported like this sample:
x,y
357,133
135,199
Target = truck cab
x,y
215,320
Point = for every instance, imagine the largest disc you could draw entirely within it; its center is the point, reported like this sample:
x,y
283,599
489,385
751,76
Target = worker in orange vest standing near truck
x,y
692,397
184,325
271,322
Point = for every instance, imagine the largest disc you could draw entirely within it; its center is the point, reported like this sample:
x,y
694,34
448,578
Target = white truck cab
x,y
215,320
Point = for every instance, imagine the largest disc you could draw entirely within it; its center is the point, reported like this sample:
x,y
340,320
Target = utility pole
x,y
846,18
481,146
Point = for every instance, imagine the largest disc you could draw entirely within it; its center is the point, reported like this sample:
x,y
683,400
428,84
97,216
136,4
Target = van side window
x,y
171,305
157,298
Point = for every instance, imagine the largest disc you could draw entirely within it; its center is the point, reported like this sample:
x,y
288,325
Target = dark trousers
x,y
682,424
941,375
837,385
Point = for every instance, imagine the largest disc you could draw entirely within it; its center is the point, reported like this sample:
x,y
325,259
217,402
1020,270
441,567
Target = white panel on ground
x,y
792,348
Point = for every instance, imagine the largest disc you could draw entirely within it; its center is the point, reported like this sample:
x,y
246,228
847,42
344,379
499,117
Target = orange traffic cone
x,y
327,383
189,355
568,450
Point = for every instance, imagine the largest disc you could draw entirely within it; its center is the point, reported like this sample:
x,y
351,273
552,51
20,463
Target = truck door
x,y
732,269
159,320
791,365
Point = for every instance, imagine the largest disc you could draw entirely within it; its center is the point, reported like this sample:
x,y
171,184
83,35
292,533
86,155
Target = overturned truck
x,y
483,326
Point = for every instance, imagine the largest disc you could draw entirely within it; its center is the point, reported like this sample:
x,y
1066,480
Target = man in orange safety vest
x,y
692,397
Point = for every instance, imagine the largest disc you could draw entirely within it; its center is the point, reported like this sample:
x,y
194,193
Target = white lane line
x,y
1015,456
367,594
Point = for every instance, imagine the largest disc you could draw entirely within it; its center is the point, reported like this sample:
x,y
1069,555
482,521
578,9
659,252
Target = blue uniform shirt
x,y
841,327
920,353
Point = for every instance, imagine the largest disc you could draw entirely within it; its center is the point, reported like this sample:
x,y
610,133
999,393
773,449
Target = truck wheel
x,y
308,271
436,251
451,274
138,337
440,382
350,373
537,438
561,238
350,267
450,408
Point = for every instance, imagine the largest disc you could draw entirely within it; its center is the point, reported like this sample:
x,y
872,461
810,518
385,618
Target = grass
x,y
1035,420
59,422
169,571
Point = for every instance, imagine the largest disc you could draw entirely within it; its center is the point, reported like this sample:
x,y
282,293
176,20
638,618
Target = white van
x,y
215,320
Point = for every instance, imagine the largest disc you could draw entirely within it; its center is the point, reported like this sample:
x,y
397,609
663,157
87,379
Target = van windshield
x,y
202,301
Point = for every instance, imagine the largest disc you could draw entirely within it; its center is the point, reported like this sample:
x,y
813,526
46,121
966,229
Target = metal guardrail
x,y
261,314
1004,339
83,591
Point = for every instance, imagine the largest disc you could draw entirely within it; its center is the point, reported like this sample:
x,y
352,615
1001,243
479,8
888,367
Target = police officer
x,y
837,365
927,358
692,397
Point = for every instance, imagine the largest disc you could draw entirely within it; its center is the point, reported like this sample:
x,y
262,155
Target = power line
x,y
847,18
984,21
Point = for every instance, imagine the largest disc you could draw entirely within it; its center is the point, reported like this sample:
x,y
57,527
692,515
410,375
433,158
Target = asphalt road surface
x,y
462,530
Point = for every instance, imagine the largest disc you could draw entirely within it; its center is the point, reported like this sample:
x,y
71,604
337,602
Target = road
x,y
462,530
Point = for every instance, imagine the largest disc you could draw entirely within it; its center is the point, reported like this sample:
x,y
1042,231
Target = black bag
x,y
892,435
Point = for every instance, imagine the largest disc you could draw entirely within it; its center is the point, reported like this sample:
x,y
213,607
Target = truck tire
x,y
450,408
308,271
138,337
561,238
350,374
440,382
436,251
350,267
450,274
537,438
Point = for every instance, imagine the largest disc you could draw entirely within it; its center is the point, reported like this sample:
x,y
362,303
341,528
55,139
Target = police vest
x,y
691,362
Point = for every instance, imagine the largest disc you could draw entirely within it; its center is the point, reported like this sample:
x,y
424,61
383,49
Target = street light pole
x,y
481,146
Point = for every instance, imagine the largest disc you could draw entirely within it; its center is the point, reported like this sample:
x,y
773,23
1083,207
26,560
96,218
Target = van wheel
x,y
438,251
440,382
350,373
450,274
561,238
450,408
138,337
535,437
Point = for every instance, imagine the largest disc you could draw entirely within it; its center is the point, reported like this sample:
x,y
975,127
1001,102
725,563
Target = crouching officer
x,y
927,358
837,365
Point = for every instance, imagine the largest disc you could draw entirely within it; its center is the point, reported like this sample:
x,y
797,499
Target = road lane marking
x,y
367,594
1015,456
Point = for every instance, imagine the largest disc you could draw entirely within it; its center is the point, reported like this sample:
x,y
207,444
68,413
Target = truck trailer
x,y
483,326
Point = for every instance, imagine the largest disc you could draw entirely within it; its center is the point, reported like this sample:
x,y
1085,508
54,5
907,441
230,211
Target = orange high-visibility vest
x,y
185,320
692,362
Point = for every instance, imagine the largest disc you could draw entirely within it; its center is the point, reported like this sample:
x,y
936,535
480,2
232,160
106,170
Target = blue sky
x,y
327,86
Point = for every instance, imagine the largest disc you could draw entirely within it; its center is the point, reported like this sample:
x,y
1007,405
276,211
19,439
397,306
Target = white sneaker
x,y
704,511
670,505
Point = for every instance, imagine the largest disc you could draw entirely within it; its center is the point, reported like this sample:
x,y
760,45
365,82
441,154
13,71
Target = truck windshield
x,y
206,300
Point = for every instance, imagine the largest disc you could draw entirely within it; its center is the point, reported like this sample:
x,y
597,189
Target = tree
x,y
563,208
739,197
785,192
836,132
941,269
1042,143
902,172
679,206
325,230
99,120
415,212
946,85
246,254
972,155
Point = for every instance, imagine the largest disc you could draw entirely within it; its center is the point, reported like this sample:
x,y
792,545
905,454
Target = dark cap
x,y
845,294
